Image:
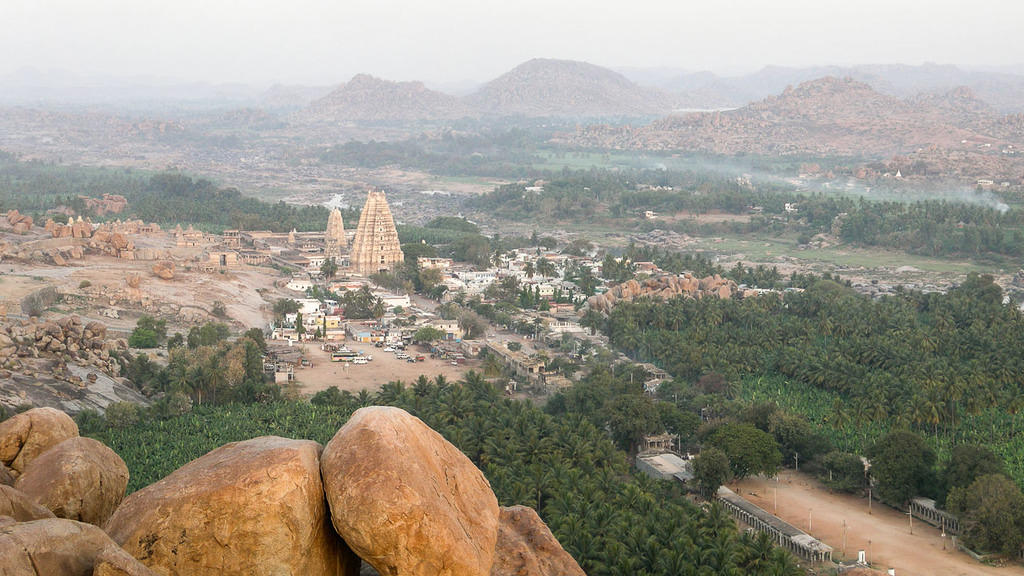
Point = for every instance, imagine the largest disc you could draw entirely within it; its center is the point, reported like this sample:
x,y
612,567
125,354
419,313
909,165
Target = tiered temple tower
x,y
376,246
334,237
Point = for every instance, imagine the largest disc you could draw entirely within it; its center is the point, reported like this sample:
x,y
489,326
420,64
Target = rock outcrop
x,y
17,505
253,507
526,547
67,339
113,561
665,288
406,500
55,547
78,479
25,436
164,270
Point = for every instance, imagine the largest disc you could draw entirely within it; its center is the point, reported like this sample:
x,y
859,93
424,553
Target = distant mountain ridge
x,y
1003,90
537,88
826,116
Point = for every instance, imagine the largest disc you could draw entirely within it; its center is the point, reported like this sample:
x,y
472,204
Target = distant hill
x,y
1003,90
366,98
827,116
543,87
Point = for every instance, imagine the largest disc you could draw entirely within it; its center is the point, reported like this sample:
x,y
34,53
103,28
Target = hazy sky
x,y
325,42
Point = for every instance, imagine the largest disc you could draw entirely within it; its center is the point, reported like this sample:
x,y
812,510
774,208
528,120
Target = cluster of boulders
x,y
664,287
386,490
68,339
56,490
19,222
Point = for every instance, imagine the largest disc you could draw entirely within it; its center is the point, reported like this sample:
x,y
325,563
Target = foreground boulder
x,y
25,436
20,507
55,547
113,561
78,479
254,507
406,500
526,547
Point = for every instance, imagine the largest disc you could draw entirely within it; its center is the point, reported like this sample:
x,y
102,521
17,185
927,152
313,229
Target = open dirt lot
x,y
884,534
382,369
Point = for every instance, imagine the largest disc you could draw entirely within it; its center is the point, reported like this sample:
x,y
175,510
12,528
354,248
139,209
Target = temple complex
x,y
334,237
376,246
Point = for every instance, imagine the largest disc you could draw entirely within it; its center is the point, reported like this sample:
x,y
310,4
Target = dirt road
x,y
884,534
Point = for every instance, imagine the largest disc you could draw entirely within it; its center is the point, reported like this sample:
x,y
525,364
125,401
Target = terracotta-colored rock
x,y
113,561
253,507
164,270
526,547
19,506
50,547
78,479
25,436
406,500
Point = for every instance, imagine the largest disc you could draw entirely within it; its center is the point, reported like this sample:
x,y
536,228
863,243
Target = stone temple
x,y
376,246
334,238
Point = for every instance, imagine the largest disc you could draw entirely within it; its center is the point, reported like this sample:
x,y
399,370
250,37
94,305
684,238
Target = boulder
x,y
406,500
19,506
51,547
113,561
78,479
253,507
25,436
526,547
164,270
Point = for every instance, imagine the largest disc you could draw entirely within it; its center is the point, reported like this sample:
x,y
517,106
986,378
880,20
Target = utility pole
x,y
809,510
910,514
844,537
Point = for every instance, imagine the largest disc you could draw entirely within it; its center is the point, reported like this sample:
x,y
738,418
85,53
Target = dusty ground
x,y
884,534
382,369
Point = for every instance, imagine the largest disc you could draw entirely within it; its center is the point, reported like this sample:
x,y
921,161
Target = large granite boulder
x,y
25,436
50,547
20,507
406,500
254,507
113,561
78,479
526,547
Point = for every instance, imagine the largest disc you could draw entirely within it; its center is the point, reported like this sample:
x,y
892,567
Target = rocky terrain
x,y
365,98
386,491
65,363
664,288
707,90
834,117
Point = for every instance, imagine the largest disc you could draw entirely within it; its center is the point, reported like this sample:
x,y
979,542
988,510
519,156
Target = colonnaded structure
x,y
376,246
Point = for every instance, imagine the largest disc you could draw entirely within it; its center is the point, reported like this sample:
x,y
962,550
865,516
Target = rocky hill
x,y
1004,91
386,490
366,98
543,87
828,116
537,88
